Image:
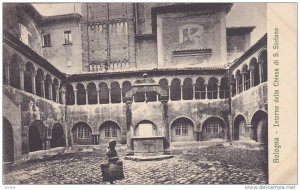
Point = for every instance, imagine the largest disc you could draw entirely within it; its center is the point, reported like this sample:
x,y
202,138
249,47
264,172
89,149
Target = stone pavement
x,y
84,168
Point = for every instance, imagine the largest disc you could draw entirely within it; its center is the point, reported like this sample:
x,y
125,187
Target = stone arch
x,y
200,89
81,94
175,89
8,141
38,82
14,71
259,124
240,130
92,93
254,67
263,58
126,85
246,74
224,88
58,136
37,136
145,128
48,84
213,128
164,84
115,92
55,87
110,130
233,85
104,94
182,129
70,96
82,133
28,74
187,89
212,88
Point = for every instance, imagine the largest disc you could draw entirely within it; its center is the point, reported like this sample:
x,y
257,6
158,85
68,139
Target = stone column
x,y
194,91
43,88
63,96
218,96
86,96
33,83
109,96
50,90
75,96
98,95
170,93
56,94
121,95
165,127
251,77
260,71
243,81
237,85
22,70
129,127
7,74
181,93
206,93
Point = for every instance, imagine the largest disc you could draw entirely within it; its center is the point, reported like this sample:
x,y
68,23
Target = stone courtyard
x,y
202,164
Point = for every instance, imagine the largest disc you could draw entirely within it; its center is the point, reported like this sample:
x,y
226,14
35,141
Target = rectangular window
x,y
181,129
46,40
212,127
68,37
83,132
110,131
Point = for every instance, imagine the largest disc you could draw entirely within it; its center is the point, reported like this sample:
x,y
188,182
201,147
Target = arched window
x,y
163,83
48,83
212,88
81,94
70,97
233,85
241,131
212,128
175,89
187,89
29,72
182,129
5,66
37,135
259,123
115,92
82,133
14,71
109,130
255,70
38,82
58,136
125,88
92,93
224,88
246,74
55,87
8,141
145,128
240,84
104,94
200,91
263,59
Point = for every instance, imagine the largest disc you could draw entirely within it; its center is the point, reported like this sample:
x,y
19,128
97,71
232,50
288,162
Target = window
x,y
68,37
83,132
212,127
110,131
46,40
181,129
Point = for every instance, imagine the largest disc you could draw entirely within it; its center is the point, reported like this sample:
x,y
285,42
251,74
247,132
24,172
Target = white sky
x,y
241,14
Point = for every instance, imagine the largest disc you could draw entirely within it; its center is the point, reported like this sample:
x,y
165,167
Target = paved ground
x,y
210,165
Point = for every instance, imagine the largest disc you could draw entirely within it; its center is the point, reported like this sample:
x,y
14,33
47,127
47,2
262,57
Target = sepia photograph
x,y
135,93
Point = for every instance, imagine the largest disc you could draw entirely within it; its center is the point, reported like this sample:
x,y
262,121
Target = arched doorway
x,y
182,129
241,131
260,127
37,136
8,141
145,128
109,130
58,136
213,128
